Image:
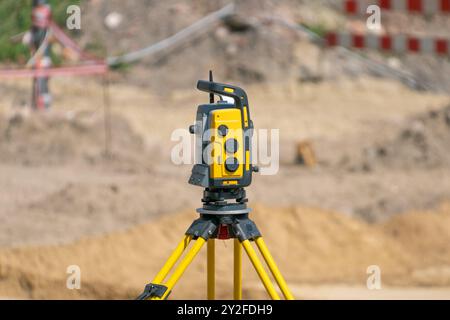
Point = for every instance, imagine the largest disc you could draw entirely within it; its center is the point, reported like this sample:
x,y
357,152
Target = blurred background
x,y
86,177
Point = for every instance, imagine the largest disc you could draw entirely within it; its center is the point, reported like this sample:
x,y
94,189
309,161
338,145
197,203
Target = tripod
x,y
219,220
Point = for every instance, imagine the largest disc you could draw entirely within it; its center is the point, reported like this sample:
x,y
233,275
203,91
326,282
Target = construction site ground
x,y
379,195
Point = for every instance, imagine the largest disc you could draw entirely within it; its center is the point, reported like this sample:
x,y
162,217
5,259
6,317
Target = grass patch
x,y
15,18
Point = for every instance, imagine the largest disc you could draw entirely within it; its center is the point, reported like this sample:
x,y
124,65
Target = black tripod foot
x,y
152,290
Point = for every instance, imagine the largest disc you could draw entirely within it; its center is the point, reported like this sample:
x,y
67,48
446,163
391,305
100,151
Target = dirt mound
x,y
247,48
311,246
417,142
239,48
97,208
54,139
423,141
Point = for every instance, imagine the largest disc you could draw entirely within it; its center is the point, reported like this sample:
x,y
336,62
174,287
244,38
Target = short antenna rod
x,y
211,95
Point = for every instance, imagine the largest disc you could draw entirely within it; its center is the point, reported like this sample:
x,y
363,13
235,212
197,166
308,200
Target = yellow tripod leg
x,y
260,270
210,269
184,263
176,254
273,268
237,278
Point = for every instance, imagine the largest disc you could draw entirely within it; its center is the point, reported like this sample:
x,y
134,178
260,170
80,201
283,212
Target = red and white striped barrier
x,y
357,7
82,70
66,41
392,43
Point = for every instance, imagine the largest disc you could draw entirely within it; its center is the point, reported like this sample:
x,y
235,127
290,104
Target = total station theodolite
x,y
223,142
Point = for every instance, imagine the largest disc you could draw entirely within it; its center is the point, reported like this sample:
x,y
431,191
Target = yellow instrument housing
x,y
232,119
223,139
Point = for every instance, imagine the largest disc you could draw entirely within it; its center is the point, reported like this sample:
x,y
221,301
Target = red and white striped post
x,y
40,48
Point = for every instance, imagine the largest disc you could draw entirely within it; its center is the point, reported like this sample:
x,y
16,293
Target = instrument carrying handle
x,y
239,95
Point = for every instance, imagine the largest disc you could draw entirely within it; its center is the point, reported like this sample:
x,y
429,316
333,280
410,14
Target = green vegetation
x,y
318,29
15,18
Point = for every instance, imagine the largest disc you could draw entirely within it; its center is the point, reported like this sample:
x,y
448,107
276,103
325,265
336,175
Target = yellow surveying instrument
x,y
223,133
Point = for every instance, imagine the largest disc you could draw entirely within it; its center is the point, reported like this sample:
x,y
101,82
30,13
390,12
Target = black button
x,y
231,145
223,130
231,164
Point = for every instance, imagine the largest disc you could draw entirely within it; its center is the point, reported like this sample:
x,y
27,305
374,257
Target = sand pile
x,y
59,139
311,246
